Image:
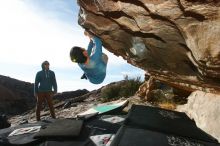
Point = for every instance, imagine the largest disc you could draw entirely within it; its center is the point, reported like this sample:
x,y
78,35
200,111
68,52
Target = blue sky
x,y
32,31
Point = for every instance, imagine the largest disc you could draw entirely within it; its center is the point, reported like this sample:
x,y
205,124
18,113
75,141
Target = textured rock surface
x,y
204,109
176,41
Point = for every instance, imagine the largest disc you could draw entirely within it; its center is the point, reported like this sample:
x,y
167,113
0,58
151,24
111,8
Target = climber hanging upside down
x,y
92,61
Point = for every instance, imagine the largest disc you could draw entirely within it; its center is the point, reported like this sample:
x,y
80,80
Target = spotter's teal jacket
x,y
45,80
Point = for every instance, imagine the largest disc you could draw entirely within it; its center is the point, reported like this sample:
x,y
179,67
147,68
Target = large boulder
x,y
175,41
204,108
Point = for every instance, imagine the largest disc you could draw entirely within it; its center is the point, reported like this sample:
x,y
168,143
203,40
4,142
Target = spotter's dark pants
x,y
41,97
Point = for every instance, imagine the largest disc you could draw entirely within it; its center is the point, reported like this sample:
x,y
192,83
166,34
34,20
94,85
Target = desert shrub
x,y
111,92
130,87
126,88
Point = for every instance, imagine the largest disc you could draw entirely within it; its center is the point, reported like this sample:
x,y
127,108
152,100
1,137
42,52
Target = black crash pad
x,y
166,121
61,128
23,139
127,136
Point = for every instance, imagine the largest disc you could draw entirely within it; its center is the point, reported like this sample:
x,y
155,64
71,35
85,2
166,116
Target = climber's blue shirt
x,y
95,70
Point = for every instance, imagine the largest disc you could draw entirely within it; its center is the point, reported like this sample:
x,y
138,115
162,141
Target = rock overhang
x,y
175,41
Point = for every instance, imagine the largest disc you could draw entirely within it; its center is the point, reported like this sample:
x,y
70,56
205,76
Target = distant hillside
x,y
15,96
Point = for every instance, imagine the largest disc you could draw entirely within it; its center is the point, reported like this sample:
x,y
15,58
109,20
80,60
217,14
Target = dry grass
x,y
167,105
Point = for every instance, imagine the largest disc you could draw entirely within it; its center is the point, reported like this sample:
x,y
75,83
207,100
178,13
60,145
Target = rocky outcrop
x,y
175,41
204,109
70,94
15,96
